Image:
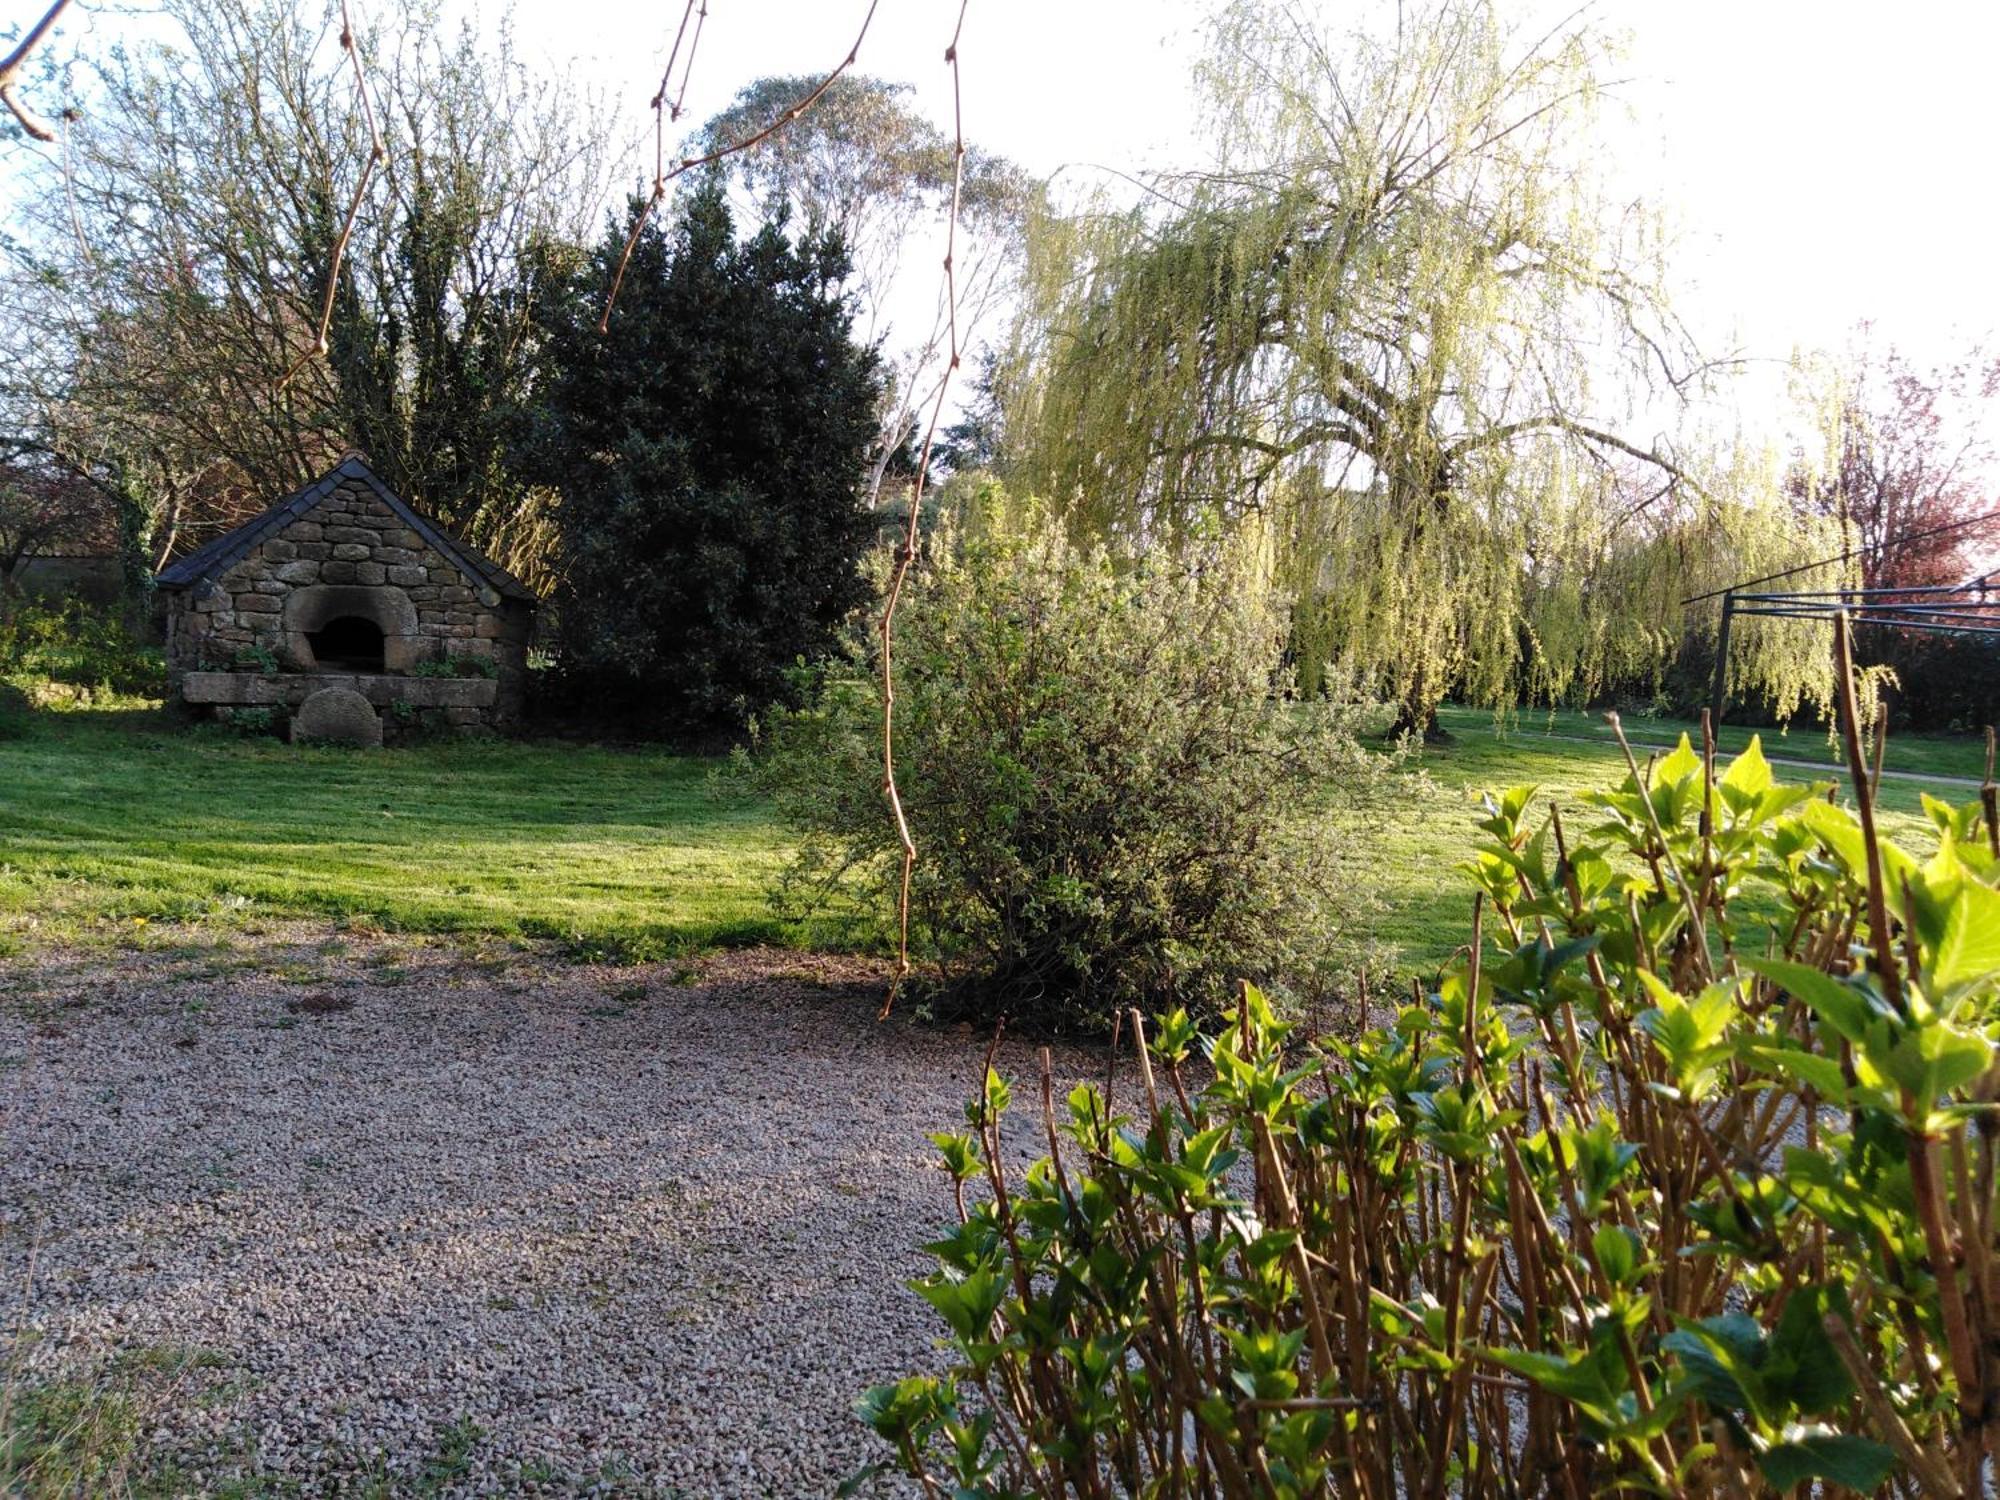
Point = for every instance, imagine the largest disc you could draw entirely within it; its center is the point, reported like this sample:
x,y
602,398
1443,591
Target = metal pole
x,y
1718,694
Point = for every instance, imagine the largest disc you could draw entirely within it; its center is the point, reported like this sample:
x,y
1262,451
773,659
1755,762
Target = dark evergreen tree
x,y
973,441
709,451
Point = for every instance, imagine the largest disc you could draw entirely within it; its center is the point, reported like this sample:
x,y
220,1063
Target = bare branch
x,y
907,553
688,164
68,118
10,74
353,49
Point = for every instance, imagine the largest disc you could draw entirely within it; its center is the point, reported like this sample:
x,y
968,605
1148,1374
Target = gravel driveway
x,y
403,1219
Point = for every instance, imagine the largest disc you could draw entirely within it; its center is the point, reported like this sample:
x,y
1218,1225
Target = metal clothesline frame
x,y
1971,608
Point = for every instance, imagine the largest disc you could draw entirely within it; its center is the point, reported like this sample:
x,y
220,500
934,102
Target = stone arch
x,y
311,609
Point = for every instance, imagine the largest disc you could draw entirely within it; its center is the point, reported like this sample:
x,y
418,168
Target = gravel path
x,y
408,1218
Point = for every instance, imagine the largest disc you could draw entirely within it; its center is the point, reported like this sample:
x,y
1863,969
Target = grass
x,y
111,819
1429,904
1915,754
76,1436
83,1434
67,1437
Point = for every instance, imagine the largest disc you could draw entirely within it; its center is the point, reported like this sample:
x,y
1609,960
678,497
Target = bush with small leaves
x,y
75,645
1682,1182
1114,798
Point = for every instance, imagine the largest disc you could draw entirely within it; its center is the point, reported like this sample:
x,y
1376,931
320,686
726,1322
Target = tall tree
x,y
709,452
1912,483
1395,310
861,163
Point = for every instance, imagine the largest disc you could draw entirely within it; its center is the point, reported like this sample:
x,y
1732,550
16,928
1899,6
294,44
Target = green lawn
x,y
1918,754
116,816
1429,904
110,816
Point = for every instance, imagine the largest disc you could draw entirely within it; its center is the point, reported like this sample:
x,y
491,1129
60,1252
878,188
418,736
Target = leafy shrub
x,y
1682,1182
1113,800
79,647
248,722
457,666
260,659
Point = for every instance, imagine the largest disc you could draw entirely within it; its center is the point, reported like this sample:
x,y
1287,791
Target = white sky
x,y
1826,160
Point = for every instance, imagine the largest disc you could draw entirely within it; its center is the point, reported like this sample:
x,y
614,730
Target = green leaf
x,y
1932,1059
1619,1253
1834,1001
1720,1356
960,1152
1968,950
998,1095
1837,828
1749,773
1957,825
1857,1463
1678,766
1803,1367
1580,1380
864,1478
902,1405
1815,1069
967,1304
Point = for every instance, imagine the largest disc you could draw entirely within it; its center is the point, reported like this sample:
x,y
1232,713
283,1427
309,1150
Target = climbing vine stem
x,y
663,113
906,551
352,48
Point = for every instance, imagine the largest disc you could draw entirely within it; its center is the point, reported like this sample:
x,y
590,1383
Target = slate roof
x,y
212,559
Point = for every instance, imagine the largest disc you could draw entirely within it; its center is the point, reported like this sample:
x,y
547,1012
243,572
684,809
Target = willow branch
x,y
1556,422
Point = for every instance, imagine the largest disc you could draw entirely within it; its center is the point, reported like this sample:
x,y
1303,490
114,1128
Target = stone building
x,y
350,615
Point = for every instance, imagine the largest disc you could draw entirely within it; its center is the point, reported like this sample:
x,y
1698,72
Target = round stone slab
x,y
339,716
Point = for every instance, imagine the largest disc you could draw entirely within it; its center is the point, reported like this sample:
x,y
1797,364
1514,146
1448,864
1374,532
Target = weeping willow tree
x,y
1604,612
1398,314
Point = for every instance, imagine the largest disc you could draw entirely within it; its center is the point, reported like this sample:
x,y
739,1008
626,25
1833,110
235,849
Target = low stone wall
x,y
378,707
264,689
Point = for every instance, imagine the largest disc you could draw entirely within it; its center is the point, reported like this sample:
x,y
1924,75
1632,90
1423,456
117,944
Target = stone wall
x,y
352,555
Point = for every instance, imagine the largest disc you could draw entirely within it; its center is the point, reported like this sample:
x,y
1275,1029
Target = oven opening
x,y
348,644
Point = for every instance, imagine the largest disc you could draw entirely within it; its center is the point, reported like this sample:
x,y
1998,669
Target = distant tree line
x,y
1397,322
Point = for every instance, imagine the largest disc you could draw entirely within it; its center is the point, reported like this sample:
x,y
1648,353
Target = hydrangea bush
x,y
1681,1181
